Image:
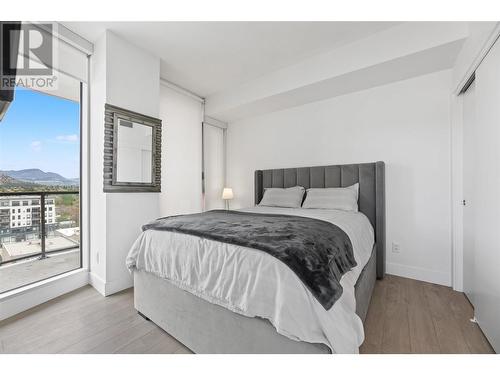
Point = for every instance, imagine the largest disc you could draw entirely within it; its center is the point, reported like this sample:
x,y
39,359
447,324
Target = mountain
x,y
37,176
7,182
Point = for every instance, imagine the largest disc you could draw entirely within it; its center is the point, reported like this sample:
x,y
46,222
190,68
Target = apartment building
x,y
23,213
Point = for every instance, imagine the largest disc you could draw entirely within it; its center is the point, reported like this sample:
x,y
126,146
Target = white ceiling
x,y
208,57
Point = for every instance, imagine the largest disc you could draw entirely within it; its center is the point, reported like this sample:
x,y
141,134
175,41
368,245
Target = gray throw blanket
x,y
317,251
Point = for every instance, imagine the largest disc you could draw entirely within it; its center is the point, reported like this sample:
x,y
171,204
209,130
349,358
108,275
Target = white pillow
x,y
277,197
345,199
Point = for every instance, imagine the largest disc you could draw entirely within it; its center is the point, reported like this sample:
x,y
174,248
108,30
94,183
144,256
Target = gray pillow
x,y
345,199
278,197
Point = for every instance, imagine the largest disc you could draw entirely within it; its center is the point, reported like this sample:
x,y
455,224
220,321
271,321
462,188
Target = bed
x,y
285,318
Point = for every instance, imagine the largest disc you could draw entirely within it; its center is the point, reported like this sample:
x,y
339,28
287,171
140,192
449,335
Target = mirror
x,y
132,151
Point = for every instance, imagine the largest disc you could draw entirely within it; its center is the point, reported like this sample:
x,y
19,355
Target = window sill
x,y
24,298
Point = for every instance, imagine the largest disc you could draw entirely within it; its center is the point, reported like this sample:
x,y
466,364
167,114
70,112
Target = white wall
x,y
181,153
98,207
125,76
406,124
132,82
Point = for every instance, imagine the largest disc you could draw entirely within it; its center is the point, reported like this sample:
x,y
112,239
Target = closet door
x,y
213,154
469,146
487,194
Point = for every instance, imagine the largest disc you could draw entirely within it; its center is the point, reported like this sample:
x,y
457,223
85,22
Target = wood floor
x,y
405,316
409,316
85,322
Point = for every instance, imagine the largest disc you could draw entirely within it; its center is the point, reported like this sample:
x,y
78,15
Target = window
x,y
40,134
214,167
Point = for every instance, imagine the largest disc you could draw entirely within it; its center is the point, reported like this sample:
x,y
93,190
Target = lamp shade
x,y
227,193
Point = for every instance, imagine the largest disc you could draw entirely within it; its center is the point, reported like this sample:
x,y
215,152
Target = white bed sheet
x,y
253,283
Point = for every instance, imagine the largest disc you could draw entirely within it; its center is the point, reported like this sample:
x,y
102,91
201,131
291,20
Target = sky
x,y
41,131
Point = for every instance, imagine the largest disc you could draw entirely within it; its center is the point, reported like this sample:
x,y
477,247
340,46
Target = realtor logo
x,y
36,49
27,55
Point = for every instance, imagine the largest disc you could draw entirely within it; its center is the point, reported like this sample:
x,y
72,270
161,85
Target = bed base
x,y
208,328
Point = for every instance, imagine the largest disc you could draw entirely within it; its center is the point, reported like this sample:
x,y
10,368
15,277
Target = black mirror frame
x,y
111,116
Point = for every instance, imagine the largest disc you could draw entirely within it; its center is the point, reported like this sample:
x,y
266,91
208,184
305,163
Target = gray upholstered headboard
x,y
371,178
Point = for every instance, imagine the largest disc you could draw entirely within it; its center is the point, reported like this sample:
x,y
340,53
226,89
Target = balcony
x,y
31,252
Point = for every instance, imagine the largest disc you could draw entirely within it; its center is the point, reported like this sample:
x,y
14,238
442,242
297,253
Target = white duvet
x,y
253,283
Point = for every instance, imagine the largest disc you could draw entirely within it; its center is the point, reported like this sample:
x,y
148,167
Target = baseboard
x,y
418,273
22,299
98,283
115,286
107,288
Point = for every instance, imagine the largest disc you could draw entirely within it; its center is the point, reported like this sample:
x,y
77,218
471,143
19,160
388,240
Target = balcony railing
x,y
39,229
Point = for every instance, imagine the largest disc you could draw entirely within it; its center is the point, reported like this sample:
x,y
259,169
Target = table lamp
x,y
227,194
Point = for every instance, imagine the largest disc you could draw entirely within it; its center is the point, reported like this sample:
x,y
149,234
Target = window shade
x,y
69,63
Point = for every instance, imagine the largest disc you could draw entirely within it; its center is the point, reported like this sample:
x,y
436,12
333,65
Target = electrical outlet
x,y
395,247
